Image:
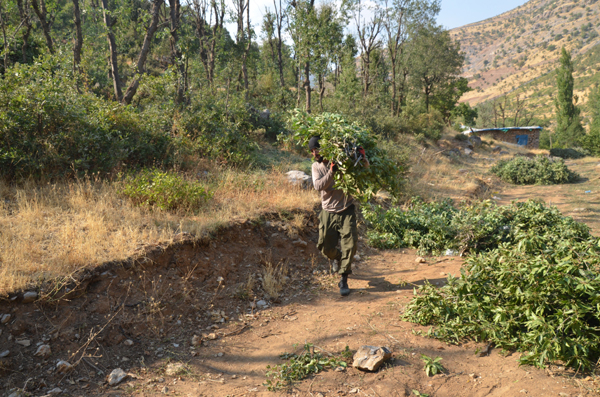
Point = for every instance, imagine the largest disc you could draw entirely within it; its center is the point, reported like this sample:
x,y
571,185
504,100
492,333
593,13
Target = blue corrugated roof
x,y
506,129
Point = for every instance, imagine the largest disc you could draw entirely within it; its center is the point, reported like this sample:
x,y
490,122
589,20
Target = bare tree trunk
x,y
141,62
176,55
279,23
307,89
321,90
78,36
203,15
42,14
24,14
114,65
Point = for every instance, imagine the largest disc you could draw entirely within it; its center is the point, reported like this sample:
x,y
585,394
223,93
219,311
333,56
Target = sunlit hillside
x,y
516,52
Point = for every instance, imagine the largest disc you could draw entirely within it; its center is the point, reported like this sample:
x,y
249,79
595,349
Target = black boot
x,y
344,290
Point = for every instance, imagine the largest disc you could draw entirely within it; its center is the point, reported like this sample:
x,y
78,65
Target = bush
x,y
535,293
461,137
534,171
48,129
567,153
165,190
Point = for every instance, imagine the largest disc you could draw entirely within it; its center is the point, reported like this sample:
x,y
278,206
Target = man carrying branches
x,y
337,220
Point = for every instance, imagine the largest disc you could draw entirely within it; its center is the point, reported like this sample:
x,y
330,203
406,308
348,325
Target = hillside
x,y
514,52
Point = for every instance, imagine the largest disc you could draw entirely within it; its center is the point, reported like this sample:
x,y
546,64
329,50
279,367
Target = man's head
x,y
314,147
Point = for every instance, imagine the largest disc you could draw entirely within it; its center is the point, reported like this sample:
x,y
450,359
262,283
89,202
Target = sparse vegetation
x,y
299,366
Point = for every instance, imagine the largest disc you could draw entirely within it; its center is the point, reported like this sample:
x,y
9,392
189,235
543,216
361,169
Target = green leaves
x,y
167,191
339,142
536,291
433,366
536,171
299,367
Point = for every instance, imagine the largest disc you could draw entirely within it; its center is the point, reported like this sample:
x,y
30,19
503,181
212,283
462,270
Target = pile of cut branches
x,y
538,292
340,140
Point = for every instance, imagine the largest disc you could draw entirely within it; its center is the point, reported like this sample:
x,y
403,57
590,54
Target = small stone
x,y
30,296
261,304
420,260
370,358
175,369
354,391
43,351
220,354
55,391
116,376
233,376
320,395
472,376
300,243
4,353
357,257
24,342
563,394
165,390
128,342
211,336
196,340
63,367
468,151
340,369
5,318
588,379
462,171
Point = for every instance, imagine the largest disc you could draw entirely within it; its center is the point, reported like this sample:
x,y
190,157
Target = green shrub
x,y
165,190
534,171
49,129
461,137
567,153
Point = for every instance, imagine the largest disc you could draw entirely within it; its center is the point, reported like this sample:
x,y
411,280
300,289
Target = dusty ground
x,y
142,316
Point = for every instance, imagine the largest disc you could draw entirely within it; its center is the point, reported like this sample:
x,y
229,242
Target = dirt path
x,y
369,316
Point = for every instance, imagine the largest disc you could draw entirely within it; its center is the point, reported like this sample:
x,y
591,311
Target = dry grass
x,y
55,229
274,279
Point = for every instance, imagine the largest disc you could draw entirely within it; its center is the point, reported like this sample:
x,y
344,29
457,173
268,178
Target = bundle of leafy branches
x,y
300,366
539,170
339,141
536,293
438,226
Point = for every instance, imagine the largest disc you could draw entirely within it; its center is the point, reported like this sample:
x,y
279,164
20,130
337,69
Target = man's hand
x,y
365,161
333,166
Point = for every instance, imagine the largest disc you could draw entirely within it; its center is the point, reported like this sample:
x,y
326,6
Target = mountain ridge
x,y
506,53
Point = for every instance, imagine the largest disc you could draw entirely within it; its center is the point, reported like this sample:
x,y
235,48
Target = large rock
x,y
299,178
370,358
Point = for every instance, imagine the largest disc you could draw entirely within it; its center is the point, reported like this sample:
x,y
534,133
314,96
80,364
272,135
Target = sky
x,y
454,13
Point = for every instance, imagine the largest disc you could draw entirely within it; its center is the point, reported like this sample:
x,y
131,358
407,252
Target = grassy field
x,y
53,230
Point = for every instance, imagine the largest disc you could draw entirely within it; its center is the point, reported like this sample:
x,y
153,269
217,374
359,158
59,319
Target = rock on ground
x,y
370,358
299,178
116,376
30,296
